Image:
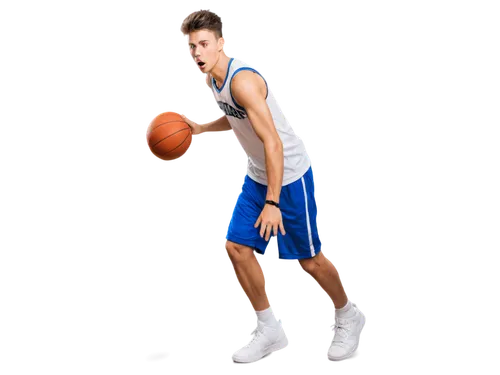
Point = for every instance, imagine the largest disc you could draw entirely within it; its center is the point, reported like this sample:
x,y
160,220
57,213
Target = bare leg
x,y
327,276
249,274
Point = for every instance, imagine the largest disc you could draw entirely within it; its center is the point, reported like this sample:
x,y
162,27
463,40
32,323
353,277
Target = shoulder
x,y
247,83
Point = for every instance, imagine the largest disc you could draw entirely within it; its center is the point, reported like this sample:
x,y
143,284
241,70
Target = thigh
x,y
246,212
298,209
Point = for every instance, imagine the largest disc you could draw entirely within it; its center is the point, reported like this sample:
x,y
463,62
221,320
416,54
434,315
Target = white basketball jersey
x,y
296,160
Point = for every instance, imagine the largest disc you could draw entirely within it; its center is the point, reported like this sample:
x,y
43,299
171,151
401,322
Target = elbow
x,y
274,145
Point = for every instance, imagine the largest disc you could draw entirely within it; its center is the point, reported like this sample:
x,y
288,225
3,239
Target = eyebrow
x,y
199,42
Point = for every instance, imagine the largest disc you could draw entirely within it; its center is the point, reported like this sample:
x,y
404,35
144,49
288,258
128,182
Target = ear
x,y
220,44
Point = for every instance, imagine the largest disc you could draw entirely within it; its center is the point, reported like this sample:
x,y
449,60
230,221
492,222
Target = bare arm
x,y
218,125
250,91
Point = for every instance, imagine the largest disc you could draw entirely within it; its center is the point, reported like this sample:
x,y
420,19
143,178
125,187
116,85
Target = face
x,y
205,48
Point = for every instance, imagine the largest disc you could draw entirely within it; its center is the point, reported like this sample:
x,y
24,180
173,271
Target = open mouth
x,y
201,63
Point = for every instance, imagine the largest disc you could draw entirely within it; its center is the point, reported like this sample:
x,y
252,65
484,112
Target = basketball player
x,y
277,197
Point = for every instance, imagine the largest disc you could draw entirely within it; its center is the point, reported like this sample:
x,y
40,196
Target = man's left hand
x,y
269,220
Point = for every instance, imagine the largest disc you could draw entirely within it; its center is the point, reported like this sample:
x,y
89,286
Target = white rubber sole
x,y
281,345
347,355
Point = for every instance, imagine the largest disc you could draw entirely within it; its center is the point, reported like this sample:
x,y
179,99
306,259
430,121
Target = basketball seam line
x,y
175,147
168,122
178,131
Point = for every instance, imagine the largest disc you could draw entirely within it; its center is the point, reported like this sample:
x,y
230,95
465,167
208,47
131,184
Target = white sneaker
x,y
266,340
347,332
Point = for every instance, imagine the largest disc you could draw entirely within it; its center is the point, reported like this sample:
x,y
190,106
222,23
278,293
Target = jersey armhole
x,y
231,81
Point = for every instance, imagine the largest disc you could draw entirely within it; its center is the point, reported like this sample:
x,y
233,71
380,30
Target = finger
x,y
275,230
282,228
186,120
257,222
262,229
268,232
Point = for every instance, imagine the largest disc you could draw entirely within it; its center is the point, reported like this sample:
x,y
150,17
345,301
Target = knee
x,y
238,253
311,265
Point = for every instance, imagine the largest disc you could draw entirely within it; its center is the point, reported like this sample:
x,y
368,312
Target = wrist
x,y
272,198
273,203
202,128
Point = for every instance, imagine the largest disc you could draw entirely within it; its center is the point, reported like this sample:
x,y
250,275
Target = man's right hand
x,y
195,128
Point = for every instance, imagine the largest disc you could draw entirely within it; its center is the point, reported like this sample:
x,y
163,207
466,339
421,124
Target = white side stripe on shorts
x,y
311,246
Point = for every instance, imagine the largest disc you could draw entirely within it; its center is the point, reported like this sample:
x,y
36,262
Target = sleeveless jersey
x,y
296,160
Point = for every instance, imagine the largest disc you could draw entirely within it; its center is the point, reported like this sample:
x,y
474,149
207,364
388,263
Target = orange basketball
x,y
168,136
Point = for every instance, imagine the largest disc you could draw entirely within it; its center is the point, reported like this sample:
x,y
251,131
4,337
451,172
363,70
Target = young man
x,y
277,196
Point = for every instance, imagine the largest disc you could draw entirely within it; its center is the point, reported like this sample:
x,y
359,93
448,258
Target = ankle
x,y
346,311
266,317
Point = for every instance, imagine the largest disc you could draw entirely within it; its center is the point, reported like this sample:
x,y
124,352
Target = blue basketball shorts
x,y
298,211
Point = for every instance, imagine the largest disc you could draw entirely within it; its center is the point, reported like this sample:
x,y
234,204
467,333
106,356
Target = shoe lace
x,y
255,336
341,328
257,332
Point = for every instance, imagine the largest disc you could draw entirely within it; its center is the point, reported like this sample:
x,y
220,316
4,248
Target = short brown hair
x,y
202,19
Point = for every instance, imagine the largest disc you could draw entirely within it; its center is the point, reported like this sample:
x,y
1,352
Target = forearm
x,y
216,126
274,166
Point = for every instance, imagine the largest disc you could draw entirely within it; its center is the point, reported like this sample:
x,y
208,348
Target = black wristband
x,y
273,203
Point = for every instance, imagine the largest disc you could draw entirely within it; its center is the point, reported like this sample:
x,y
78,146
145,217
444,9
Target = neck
x,y
220,68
